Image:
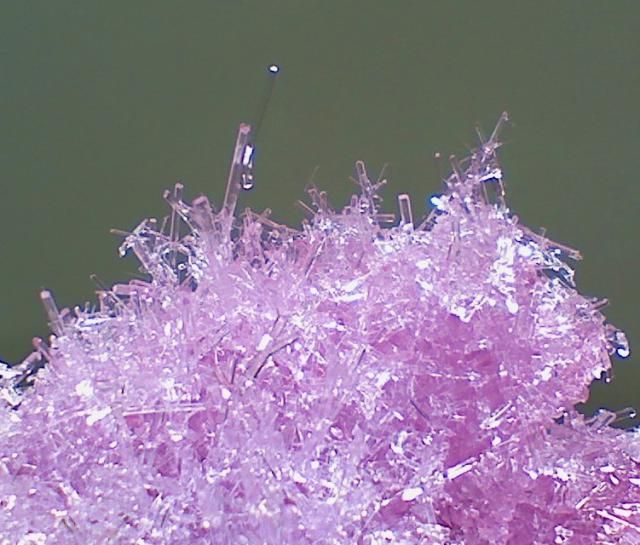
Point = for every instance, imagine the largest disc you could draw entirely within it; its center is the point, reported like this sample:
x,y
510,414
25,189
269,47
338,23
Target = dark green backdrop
x,y
105,104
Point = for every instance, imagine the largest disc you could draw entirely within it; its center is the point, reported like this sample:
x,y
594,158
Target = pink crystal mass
x,y
351,382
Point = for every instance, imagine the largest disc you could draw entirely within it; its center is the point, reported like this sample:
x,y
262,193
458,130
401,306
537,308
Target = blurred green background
x,y
105,104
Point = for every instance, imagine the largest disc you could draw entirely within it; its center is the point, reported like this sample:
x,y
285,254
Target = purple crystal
x,y
345,383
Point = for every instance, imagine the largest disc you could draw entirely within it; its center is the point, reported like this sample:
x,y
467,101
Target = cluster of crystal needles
x,y
348,382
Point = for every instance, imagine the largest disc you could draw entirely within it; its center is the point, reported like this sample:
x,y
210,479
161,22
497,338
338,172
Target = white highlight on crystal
x,y
33,538
495,174
84,388
383,378
175,436
169,384
298,478
562,535
411,494
98,415
495,419
623,352
439,202
247,155
427,287
383,537
463,308
264,342
546,373
10,502
606,515
226,394
459,469
397,447
350,297
622,512
352,285
525,251
90,322
583,502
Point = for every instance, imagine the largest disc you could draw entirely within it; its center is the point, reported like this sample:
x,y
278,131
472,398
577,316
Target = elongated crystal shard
x,y
406,215
55,320
241,168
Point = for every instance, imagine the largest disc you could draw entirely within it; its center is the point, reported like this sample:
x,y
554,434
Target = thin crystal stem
x,y
53,314
404,204
234,180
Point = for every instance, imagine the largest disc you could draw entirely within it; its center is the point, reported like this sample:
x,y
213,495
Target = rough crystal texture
x,y
346,383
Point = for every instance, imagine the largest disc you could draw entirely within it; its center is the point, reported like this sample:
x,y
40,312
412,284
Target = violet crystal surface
x,y
350,382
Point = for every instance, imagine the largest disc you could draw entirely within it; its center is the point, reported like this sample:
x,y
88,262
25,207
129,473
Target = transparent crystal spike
x,y
55,320
202,214
239,168
178,190
406,215
246,163
367,201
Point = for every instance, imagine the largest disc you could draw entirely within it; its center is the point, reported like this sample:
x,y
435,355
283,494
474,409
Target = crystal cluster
x,y
350,382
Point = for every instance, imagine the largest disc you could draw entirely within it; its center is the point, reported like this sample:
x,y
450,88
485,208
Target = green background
x,y
105,104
